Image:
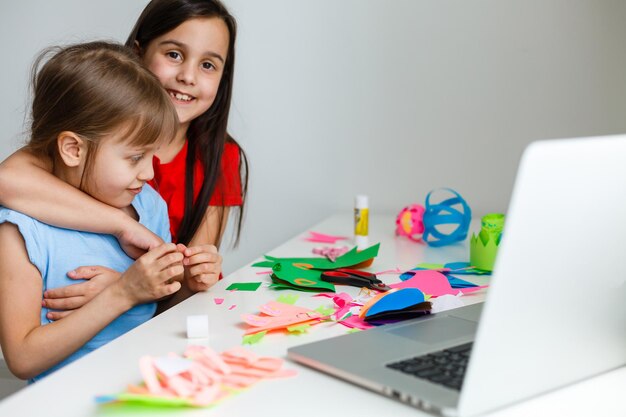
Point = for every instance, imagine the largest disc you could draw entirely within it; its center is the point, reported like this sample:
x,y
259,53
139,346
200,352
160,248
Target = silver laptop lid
x,y
556,309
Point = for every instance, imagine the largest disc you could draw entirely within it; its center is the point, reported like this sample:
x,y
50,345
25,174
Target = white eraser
x,y
197,326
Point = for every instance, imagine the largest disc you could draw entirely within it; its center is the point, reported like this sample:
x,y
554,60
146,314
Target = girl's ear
x,y
137,48
72,148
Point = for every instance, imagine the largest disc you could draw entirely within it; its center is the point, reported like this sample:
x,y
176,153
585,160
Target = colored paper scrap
x,y
298,277
232,306
218,301
299,329
251,339
205,379
355,322
324,238
279,316
288,298
330,252
325,311
244,286
434,283
456,268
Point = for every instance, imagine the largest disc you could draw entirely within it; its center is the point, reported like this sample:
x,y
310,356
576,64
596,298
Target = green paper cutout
x,y
353,330
300,278
244,286
325,311
252,339
430,266
349,258
298,329
484,247
288,298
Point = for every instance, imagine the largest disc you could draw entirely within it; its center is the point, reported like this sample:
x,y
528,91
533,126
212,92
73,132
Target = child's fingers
x,y
190,251
64,303
158,252
66,292
169,289
169,260
203,257
85,272
205,269
57,315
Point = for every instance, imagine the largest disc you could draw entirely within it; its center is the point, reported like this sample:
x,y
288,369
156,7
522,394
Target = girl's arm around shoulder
x,y
27,185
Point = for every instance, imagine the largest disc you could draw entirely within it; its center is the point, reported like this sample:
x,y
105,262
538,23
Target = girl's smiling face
x,y
189,61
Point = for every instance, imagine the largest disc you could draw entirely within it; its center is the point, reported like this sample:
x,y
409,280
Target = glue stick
x,y
361,220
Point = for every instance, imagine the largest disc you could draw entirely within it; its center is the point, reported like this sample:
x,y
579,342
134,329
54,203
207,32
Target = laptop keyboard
x,y
445,367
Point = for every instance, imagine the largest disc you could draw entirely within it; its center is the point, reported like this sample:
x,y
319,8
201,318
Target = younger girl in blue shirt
x,y
99,116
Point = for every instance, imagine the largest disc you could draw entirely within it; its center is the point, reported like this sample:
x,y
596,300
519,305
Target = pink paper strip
x,y
433,283
218,301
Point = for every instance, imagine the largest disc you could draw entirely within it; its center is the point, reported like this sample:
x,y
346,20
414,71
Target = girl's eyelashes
x,y
208,65
136,158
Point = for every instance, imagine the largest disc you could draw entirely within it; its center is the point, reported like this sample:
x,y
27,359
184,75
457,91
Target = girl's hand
x,y
136,239
153,275
203,266
74,296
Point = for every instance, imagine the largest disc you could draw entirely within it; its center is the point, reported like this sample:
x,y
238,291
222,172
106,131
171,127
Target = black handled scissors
x,y
354,278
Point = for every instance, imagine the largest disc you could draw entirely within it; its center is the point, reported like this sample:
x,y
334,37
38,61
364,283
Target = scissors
x,y
355,278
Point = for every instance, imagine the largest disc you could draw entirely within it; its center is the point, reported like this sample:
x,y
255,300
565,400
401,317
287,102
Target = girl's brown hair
x,y
94,89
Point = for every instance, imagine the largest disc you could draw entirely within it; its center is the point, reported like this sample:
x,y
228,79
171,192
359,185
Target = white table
x,y
71,391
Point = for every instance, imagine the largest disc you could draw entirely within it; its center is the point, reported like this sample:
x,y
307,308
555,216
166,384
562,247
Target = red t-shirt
x,y
169,181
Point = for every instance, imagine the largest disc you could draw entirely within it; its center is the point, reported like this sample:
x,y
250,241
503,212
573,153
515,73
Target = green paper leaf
x,y
288,298
353,330
325,311
244,286
252,339
298,329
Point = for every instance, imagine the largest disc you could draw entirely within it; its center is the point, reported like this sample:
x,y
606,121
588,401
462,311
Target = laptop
x,y
555,311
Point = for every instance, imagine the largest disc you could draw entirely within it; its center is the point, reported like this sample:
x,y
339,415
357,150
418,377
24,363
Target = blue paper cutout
x,y
397,300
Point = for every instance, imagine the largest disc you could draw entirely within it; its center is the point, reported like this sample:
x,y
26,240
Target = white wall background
x,y
385,97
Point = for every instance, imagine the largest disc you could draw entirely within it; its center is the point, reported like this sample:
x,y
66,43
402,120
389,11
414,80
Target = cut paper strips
x,y
343,302
218,301
324,238
433,283
243,286
201,378
232,307
279,316
484,247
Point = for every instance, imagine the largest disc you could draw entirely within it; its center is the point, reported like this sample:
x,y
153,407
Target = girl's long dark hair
x,y
207,134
